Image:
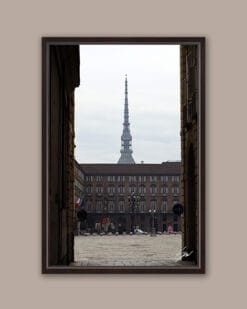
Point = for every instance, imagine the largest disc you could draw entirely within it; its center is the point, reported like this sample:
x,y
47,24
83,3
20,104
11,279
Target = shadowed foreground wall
x,y
64,77
189,66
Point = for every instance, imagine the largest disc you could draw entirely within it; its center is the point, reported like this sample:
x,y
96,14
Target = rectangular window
x,y
164,190
164,178
111,178
89,189
142,189
99,206
153,189
153,205
99,178
132,178
142,178
121,189
121,178
175,178
142,206
99,189
81,175
121,206
164,207
111,189
175,190
132,189
153,178
111,206
89,206
89,178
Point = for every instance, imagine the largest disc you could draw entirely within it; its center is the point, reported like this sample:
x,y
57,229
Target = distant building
x,y
123,194
79,182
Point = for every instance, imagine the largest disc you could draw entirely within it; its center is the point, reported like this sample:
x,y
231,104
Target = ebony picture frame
x,y
47,43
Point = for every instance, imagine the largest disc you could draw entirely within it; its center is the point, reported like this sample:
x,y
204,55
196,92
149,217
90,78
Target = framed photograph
x,y
123,155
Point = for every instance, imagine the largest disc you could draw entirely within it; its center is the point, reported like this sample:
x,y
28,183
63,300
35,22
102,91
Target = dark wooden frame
x,y
48,41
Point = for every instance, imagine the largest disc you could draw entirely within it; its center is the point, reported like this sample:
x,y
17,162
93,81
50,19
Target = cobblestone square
x,y
128,250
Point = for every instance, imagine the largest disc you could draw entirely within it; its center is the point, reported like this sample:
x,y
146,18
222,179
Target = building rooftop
x,y
165,168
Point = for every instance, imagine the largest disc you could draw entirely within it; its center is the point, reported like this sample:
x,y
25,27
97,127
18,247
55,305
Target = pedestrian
x,y
169,230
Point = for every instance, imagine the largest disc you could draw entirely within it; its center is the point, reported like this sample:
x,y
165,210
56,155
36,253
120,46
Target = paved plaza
x,y
128,250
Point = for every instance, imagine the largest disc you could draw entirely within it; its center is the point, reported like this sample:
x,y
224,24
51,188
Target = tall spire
x,y
126,138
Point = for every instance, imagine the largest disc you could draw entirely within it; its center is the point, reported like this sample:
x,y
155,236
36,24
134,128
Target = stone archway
x,y
60,78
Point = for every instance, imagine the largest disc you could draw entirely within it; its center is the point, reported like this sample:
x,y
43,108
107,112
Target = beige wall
x,y
22,25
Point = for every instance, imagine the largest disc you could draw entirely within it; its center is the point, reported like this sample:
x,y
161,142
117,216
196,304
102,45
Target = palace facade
x,y
128,195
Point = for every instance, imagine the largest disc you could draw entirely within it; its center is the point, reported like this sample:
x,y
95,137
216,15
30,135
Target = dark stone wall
x,y
189,60
64,77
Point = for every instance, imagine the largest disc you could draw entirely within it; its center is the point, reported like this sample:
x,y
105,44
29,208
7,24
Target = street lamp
x,y
133,202
105,207
152,213
105,211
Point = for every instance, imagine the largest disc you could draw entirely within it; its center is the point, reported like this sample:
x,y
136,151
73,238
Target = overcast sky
x,y
153,85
